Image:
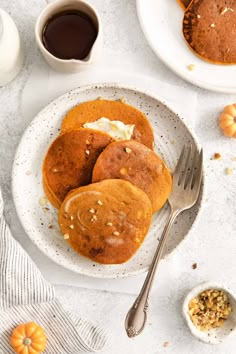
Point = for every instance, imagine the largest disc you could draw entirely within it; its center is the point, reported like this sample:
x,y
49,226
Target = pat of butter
x,y
117,129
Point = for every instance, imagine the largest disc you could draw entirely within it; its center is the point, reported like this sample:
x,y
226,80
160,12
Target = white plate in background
x,y
161,22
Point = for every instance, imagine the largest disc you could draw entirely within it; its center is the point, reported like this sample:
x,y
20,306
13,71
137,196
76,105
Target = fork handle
x,y
137,315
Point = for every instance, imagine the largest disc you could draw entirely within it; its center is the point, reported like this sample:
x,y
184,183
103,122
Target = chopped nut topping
x,y
191,67
72,217
122,99
226,9
137,240
209,309
116,233
123,171
165,344
128,150
87,142
99,202
71,226
94,218
87,152
43,201
217,156
198,16
228,171
109,223
100,98
212,25
194,266
92,211
66,236
54,170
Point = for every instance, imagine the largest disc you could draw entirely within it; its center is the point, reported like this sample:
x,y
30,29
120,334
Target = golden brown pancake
x,y
113,110
208,27
106,221
69,162
184,3
134,162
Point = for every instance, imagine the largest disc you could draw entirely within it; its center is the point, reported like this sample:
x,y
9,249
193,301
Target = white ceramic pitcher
x,y
11,53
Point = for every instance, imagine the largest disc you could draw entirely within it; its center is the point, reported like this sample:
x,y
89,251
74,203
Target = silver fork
x,y
185,190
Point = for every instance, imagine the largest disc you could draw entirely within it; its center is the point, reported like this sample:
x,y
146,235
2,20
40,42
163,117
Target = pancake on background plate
x,y
69,162
113,110
106,221
184,3
209,27
134,162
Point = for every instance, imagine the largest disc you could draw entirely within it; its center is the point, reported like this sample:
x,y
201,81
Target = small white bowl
x,y
216,335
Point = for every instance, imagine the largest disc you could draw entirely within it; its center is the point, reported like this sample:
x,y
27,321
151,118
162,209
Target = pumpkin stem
x,y
27,341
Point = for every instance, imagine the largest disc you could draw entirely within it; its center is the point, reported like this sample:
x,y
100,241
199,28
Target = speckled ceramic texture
x,y
41,224
216,335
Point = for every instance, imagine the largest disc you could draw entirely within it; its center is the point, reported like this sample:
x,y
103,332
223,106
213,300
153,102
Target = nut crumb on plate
x,y
43,201
165,344
66,236
194,265
191,67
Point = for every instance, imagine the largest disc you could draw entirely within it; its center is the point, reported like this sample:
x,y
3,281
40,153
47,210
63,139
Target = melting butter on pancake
x,y
91,111
209,29
134,162
117,129
106,221
69,162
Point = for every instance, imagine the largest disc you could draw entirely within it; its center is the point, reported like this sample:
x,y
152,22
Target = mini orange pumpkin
x,y
227,121
28,338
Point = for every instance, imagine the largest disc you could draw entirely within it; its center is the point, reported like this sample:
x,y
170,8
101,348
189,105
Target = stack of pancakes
x,y
209,27
106,190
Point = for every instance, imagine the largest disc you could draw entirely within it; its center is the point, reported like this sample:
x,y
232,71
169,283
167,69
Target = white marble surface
x,y
213,244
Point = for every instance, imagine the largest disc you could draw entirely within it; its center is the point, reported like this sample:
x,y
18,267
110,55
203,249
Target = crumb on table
x,y
228,171
217,156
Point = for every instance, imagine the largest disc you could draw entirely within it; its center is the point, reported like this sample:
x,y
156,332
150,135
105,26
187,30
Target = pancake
x,y
113,110
184,3
106,221
69,162
209,29
134,162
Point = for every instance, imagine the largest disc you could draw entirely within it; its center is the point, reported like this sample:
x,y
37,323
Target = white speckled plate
x,y
161,22
41,225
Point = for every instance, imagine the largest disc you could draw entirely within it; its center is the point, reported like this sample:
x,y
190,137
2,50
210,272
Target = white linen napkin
x,y
25,296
